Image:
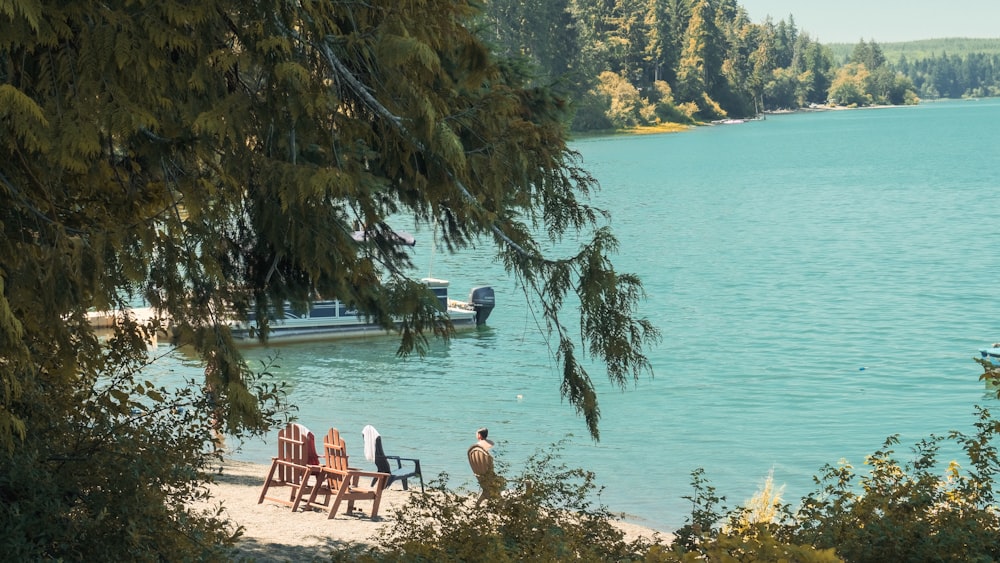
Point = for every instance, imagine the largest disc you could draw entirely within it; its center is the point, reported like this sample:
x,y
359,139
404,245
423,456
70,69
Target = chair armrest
x,y
351,471
400,460
373,474
353,476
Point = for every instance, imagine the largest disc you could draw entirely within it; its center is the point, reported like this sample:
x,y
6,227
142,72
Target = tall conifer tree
x,y
212,156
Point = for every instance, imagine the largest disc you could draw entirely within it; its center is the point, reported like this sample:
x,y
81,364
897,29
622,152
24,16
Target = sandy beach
x,y
273,533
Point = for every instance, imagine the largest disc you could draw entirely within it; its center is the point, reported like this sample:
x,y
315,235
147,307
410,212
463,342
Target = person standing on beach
x,y
483,441
482,466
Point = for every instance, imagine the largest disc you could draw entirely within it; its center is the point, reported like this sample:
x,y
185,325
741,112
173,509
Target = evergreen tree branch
x,y
612,332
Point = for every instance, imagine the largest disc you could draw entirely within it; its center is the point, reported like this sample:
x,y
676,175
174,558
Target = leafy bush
x,y
112,479
910,511
590,112
546,515
689,110
709,109
897,511
623,99
714,532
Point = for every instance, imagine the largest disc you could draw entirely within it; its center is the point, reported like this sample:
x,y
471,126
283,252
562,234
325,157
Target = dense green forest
x,y
924,49
943,68
628,63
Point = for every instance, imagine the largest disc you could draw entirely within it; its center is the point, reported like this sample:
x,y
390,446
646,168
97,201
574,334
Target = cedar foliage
x,y
215,156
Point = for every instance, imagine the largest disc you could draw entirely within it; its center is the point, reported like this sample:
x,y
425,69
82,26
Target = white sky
x,y
885,21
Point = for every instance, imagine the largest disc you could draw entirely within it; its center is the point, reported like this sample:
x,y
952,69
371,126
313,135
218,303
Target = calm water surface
x,y
822,281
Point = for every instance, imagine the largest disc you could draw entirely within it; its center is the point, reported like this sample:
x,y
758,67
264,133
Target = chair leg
x,y
321,487
336,501
267,483
390,481
325,489
300,491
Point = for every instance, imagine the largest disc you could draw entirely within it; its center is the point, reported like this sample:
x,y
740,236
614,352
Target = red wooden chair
x,y
343,482
293,467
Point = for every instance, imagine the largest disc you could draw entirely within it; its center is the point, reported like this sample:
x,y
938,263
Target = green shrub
x,y
911,511
623,99
112,479
546,515
714,532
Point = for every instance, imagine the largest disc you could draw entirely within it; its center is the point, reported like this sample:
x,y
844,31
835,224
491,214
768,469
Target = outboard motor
x,y
482,300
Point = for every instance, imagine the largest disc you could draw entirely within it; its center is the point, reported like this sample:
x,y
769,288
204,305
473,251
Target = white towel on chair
x,y
369,434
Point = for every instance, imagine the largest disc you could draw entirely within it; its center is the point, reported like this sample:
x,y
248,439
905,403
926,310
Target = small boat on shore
x,y
107,320
991,355
332,319
326,319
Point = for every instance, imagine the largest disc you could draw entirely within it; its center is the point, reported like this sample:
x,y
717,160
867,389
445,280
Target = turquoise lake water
x,y
822,281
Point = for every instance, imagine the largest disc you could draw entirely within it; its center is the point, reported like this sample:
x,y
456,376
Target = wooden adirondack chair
x,y
343,482
482,466
293,467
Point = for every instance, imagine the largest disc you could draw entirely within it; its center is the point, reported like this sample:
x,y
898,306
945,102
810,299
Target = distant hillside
x,y
918,50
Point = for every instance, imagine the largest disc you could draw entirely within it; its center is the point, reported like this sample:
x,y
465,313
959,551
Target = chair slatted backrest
x,y
292,450
381,462
384,463
343,482
295,463
336,451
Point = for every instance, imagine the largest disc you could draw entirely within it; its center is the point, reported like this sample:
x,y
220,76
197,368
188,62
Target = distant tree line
x,y
627,63
975,75
923,48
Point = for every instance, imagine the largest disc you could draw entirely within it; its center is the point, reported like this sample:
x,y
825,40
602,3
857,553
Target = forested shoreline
x,y
630,63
